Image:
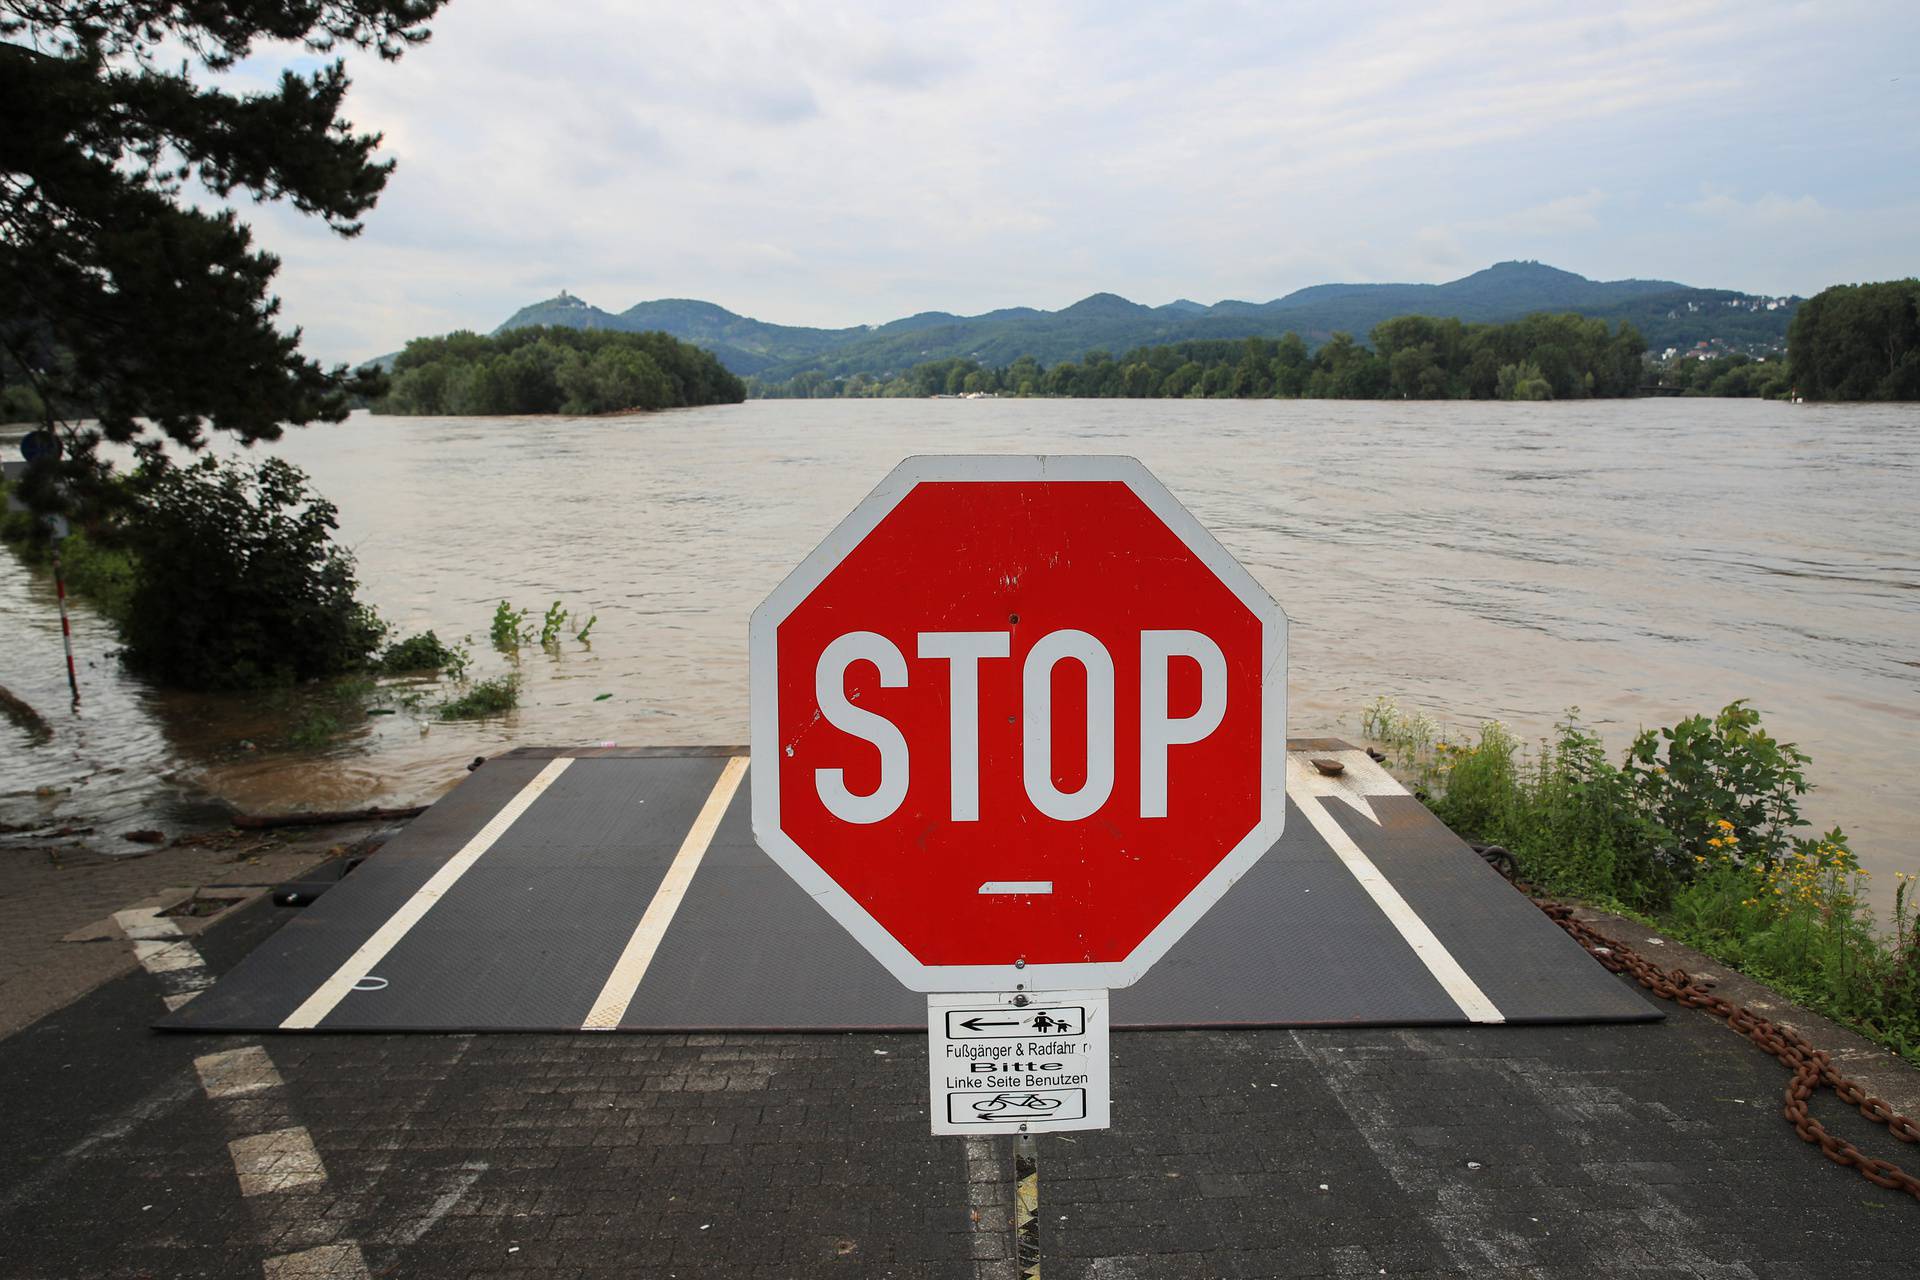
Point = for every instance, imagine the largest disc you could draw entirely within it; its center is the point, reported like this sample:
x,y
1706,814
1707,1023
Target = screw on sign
x,y
1018,722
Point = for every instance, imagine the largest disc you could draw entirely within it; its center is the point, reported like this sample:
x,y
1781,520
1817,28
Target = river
x,y
1642,560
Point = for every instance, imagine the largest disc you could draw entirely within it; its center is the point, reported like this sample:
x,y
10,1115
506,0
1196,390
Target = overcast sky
x,y
832,164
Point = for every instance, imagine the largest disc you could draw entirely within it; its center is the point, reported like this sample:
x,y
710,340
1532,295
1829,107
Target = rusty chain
x,y
1811,1067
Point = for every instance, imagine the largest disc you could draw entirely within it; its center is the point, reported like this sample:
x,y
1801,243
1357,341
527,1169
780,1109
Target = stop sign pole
x,y
1018,722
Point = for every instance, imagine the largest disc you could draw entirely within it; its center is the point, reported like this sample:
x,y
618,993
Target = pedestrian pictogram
x,y
1018,1063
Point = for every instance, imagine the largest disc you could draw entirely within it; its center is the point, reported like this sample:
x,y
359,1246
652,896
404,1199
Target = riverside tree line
x,y
1540,357
1852,342
554,370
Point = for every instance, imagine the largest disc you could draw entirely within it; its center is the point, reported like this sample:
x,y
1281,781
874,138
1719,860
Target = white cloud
x,y
1551,217
1769,211
842,163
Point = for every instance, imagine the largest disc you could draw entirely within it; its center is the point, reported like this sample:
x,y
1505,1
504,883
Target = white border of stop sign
x,y
767,758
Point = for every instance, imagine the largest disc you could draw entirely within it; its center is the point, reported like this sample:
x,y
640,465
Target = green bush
x,y
239,583
422,652
1696,829
1724,768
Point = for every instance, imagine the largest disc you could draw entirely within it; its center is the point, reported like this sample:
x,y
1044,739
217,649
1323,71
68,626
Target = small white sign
x,y
1018,1063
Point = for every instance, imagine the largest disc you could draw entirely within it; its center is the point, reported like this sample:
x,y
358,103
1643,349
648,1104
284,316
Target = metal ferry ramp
x,y
601,889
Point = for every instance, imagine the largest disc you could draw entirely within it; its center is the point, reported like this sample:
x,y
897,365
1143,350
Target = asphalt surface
x,y
1646,1150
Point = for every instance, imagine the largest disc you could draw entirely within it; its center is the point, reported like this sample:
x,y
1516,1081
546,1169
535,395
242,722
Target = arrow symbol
x,y
974,1024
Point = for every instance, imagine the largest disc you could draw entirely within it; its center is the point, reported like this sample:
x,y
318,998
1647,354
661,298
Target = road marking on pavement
x,y
387,936
167,957
617,993
275,1161
243,1084
1458,985
165,953
169,1096
462,1184
145,924
237,1072
328,1262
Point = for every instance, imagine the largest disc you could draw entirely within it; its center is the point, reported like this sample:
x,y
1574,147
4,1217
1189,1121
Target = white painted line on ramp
x,y
387,936
1312,793
617,994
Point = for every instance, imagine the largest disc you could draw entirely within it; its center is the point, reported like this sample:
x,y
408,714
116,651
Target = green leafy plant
x,y
1703,771
458,660
581,634
551,625
509,629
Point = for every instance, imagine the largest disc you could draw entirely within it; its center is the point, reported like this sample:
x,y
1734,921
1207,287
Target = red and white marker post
x,y
66,627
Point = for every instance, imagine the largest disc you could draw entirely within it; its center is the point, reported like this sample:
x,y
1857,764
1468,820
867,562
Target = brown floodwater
x,y
1642,560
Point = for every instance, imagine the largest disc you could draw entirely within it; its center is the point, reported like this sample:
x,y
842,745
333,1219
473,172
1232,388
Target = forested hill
x,y
1667,313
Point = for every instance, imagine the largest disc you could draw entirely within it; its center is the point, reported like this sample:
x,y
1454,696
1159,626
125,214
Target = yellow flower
x,y
1723,824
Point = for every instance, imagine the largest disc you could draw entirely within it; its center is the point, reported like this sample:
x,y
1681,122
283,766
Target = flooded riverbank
x,y
1644,560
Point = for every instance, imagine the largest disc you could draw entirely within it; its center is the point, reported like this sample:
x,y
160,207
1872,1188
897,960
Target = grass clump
x,y
92,566
1698,829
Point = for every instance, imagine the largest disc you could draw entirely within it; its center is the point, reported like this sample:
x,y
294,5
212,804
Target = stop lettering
x,y
1018,721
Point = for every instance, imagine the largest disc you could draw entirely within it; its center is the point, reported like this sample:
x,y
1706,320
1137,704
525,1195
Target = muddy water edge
x,y
1642,560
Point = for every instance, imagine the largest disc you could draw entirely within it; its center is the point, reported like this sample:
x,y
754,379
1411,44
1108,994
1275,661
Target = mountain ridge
x,y
1667,312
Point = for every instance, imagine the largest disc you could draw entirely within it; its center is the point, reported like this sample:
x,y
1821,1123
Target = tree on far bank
x,y
121,302
1857,342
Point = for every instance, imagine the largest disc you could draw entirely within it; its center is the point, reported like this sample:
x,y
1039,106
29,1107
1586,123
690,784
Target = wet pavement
x,y
1648,1150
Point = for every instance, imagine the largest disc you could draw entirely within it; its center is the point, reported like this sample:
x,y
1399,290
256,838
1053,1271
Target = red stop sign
x,y
1018,721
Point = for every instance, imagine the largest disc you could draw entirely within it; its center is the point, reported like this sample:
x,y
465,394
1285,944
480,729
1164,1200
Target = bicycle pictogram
x,y
1032,1103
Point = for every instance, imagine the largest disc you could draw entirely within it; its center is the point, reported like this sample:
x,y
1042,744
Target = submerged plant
x,y
416,653
481,699
551,625
510,630
314,730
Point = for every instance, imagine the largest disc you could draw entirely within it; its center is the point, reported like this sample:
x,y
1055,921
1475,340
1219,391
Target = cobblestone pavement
x,y
1651,1150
